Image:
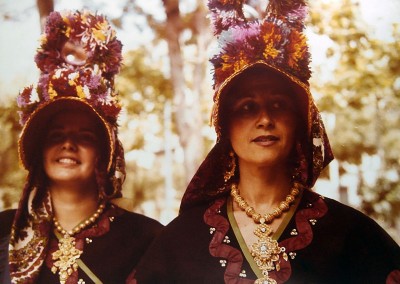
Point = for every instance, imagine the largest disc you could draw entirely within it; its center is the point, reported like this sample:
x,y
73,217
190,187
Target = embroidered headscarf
x,y
277,43
78,57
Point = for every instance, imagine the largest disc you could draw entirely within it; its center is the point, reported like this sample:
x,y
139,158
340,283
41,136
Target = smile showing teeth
x,y
67,161
265,138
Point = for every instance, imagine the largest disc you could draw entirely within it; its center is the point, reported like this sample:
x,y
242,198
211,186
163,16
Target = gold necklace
x,y
266,250
65,258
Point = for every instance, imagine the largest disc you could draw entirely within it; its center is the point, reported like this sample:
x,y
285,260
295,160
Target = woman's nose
x,y
69,144
265,119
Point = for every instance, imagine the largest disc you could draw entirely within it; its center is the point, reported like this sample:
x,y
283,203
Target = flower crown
x,y
78,57
83,84
277,39
91,36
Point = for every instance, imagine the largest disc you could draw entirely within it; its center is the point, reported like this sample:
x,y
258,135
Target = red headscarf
x,y
278,44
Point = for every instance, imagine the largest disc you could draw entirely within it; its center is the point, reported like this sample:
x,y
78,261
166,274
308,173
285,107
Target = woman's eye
x,y
280,105
87,137
55,136
247,107
277,105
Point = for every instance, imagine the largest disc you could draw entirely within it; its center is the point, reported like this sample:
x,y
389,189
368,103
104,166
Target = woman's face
x,y
70,150
263,119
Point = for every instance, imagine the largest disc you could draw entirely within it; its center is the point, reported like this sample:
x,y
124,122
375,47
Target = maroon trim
x,y
305,234
234,256
131,278
100,228
393,277
218,249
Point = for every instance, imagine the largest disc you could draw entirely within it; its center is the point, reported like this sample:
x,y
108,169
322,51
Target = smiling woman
x,y
68,227
72,151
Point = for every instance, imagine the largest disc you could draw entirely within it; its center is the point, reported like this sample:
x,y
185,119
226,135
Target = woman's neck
x,y
72,206
264,187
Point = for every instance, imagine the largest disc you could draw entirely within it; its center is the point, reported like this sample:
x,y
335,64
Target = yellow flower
x,y
52,92
270,51
241,62
43,39
231,62
68,24
84,17
297,49
226,66
269,39
80,92
99,32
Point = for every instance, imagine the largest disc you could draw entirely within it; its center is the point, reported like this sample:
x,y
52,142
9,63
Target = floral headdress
x,y
276,42
78,57
93,39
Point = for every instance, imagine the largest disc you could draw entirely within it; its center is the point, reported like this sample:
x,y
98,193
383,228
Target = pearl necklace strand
x,y
67,255
89,221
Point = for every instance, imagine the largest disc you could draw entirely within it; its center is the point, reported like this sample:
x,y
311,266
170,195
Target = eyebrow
x,y
243,95
61,127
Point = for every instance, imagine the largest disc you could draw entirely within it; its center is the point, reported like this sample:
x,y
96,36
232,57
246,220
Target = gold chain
x,y
266,250
65,258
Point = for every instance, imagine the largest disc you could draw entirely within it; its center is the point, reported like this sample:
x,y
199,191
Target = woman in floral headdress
x,y
249,215
68,227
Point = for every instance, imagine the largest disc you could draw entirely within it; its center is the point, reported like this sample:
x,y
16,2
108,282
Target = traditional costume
x,y
319,240
78,58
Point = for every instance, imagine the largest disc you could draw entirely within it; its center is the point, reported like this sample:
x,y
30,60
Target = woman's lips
x,y
265,140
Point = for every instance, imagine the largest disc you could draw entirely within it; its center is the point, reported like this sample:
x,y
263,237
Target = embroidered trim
x,y
234,257
217,248
27,244
98,229
304,230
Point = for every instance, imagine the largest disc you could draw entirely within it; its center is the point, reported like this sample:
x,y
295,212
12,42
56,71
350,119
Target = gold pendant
x,y
266,253
265,280
65,258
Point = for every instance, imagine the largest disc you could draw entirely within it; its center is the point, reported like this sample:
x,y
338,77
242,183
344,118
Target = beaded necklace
x,y
266,250
67,255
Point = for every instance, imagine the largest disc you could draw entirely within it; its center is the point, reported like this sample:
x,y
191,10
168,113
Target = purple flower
x,y
245,31
24,97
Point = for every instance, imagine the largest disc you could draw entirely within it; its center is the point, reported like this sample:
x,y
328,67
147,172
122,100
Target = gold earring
x,y
230,172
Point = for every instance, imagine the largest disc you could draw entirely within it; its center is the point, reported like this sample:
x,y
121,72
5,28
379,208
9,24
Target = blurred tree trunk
x,y
188,111
362,91
45,7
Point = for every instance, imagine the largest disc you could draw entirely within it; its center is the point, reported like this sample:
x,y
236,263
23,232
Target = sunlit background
x,y
355,47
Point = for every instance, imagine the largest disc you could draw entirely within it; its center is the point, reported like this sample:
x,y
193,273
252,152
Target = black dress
x,y
325,241
111,248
